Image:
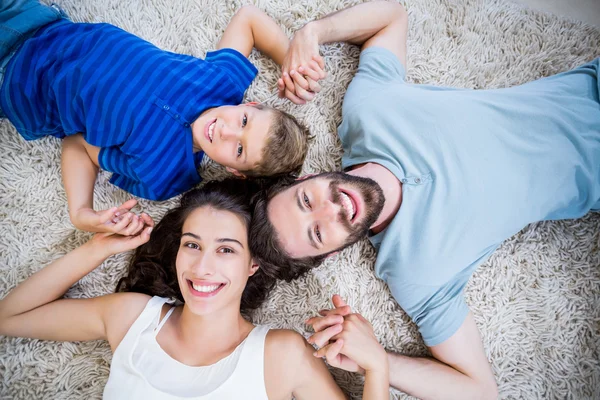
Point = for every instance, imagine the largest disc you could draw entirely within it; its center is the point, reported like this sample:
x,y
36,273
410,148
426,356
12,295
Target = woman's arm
x,y
34,308
291,368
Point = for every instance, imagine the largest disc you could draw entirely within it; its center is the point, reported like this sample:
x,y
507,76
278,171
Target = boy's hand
x,y
115,220
347,339
302,68
108,244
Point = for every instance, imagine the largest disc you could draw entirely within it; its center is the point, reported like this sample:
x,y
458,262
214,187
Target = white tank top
x,y
141,369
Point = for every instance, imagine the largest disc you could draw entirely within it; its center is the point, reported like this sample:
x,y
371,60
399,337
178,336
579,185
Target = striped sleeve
x,y
233,64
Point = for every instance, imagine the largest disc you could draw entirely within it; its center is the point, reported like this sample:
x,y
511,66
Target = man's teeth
x,y
205,289
211,130
348,205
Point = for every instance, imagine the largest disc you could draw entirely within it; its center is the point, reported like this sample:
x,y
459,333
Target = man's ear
x,y
303,177
253,268
251,103
333,253
235,172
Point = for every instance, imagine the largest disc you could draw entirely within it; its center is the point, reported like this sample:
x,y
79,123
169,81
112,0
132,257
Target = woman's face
x,y
213,261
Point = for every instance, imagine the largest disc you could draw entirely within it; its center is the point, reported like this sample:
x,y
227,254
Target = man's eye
x,y
192,246
240,149
318,233
306,202
244,120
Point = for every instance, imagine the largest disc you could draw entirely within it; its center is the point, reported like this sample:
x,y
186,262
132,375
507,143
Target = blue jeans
x,y
19,20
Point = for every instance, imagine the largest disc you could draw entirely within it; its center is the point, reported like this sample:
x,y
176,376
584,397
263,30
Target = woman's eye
x,y
192,246
244,121
306,202
240,149
318,233
226,250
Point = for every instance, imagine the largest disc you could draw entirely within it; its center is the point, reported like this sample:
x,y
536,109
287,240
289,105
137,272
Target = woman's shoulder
x,y
287,345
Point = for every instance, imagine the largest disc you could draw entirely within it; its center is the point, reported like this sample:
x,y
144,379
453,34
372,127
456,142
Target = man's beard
x,y
373,198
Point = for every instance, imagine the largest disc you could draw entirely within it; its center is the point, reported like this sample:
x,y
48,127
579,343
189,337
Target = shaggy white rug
x,y
536,301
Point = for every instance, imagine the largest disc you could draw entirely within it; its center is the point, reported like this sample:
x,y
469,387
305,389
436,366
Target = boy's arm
x,y
378,23
34,308
250,27
79,172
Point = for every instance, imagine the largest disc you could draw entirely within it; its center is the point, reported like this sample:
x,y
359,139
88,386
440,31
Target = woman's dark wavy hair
x,y
152,270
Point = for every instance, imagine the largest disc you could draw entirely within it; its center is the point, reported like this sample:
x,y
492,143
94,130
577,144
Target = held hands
x,y
109,244
347,340
302,68
117,220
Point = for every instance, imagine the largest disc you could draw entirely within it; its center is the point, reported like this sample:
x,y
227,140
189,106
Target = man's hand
x,y
302,68
347,340
117,220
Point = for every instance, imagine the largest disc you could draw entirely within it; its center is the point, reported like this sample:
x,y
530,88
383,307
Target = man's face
x,y
324,213
233,136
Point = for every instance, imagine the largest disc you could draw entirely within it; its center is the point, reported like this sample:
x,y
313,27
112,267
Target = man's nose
x,y
328,211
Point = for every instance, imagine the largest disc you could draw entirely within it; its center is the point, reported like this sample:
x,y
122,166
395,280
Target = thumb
x,y
106,215
338,301
140,239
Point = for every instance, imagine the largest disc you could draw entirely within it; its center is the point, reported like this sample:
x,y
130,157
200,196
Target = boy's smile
x,y
233,136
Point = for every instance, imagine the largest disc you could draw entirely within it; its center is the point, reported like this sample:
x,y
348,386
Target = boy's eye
x,y
190,245
244,120
318,234
240,149
306,202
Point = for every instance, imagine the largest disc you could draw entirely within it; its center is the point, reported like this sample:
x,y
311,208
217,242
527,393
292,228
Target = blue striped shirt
x,y
125,95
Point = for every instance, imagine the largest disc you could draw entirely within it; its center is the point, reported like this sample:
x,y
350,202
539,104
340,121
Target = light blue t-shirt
x,y
476,167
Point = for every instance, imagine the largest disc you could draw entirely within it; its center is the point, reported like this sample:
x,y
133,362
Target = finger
x,y
314,86
331,352
132,227
122,223
315,66
304,94
338,301
320,323
289,83
128,205
321,338
106,215
293,98
308,71
319,61
280,88
343,311
147,219
299,80
140,239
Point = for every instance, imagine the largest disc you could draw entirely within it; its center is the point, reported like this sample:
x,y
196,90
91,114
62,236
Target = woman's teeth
x,y
205,289
348,205
211,130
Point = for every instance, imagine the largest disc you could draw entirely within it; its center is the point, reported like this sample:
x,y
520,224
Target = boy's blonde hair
x,y
286,147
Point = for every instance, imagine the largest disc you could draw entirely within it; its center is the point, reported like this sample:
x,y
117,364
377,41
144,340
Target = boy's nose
x,y
229,133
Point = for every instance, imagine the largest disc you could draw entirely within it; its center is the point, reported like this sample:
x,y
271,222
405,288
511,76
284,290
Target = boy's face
x,y
233,136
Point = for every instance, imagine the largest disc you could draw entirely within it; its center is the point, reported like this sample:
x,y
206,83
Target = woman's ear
x,y
235,172
253,267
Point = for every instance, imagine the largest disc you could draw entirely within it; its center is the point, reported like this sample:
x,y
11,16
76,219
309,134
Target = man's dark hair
x,y
152,270
264,243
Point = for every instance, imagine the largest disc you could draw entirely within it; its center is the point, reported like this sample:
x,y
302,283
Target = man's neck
x,y
392,190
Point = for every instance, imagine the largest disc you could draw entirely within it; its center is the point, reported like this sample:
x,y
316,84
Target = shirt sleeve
x,y
437,311
234,65
380,64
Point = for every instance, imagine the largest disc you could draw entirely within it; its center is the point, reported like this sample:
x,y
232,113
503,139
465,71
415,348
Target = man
x,y
438,178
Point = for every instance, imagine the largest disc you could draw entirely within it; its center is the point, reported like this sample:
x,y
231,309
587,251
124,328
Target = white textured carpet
x,y
536,301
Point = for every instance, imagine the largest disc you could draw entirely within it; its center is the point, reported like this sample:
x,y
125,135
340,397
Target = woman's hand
x,y
118,220
347,340
108,244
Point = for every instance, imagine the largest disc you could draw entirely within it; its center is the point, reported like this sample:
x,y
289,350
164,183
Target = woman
x,y
203,348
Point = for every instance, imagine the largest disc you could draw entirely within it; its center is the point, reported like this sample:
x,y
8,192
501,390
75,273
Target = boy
x,y
144,114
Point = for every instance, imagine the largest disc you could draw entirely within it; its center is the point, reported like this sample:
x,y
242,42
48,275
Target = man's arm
x,y
460,369
379,23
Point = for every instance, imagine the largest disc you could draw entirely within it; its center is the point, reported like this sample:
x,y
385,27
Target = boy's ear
x,y
251,103
253,267
235,172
